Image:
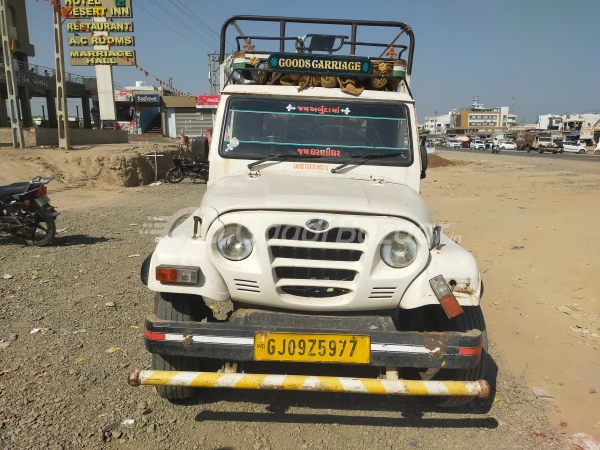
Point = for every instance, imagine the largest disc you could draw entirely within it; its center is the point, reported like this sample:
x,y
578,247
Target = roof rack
x,y
352,42
318,59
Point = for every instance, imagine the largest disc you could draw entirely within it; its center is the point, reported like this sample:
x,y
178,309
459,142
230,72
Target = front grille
x,y
319,254
314,291
297,233
299,245
308,273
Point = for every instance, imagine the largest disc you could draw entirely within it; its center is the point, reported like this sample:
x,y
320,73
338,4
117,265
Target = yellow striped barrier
x,y
479,388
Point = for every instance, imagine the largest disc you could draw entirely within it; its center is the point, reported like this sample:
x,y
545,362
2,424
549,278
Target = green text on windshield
x,y
336,131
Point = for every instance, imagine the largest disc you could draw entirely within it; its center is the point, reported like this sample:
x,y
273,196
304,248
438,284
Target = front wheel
x,y
582,152
178,308
471,319
175,175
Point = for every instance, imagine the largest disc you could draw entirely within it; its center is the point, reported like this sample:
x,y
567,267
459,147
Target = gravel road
x,y
64,387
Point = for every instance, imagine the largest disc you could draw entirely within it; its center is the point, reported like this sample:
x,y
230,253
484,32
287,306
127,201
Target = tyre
x,y
582,152
471,319
528,149
540,150
174,175
554,152
43,232
179,308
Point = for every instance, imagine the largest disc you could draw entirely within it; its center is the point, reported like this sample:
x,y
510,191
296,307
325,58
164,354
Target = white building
x,y
508,120
437,124
549,122
580,126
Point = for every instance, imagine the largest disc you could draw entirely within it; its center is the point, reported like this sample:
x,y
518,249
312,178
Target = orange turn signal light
x,y
166,274
177,274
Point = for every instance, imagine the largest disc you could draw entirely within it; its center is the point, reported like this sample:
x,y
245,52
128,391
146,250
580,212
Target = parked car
x,y
507,145
575,147
454,144
597,149
478,145
430,146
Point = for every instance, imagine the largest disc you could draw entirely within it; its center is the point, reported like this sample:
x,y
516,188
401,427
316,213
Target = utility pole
x,y
213,73
62,111
11,82
104,80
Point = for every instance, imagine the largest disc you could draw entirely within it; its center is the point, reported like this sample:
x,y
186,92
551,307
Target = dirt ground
x,y
531,223
105,167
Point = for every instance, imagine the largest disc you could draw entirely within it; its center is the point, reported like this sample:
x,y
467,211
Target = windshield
x,y
337,131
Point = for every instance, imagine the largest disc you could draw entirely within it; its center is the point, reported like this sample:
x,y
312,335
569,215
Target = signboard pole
x,y
104,79
11,82
61,82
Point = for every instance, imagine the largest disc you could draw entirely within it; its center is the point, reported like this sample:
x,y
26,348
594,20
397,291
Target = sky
x,y
543,53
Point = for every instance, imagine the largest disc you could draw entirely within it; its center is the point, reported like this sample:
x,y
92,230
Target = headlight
x,y
399,249
235,242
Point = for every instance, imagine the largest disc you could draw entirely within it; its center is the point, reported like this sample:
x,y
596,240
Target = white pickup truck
x,y
313,235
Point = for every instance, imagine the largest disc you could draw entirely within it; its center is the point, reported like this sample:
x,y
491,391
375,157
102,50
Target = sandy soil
x,y
99,167
532,224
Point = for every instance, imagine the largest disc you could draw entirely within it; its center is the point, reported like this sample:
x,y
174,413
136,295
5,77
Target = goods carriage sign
x,y
320,64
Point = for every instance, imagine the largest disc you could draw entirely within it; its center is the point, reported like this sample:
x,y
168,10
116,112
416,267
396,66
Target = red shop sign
x,y
207,101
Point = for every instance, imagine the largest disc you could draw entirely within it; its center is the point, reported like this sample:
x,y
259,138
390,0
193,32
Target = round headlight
x,y
399,249
235,242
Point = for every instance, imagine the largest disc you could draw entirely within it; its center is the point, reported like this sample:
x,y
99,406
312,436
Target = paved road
x,y
569,156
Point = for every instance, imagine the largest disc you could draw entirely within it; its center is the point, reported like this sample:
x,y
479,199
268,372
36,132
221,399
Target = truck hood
x,y
328,194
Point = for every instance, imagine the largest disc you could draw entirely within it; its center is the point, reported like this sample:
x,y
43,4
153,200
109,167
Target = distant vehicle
x,y
430,146
575,147
540,142
507,145
478,145
597,149
454,144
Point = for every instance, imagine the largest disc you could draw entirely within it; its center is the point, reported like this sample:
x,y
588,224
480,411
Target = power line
x,y
187,12
180,22
169,27
199,20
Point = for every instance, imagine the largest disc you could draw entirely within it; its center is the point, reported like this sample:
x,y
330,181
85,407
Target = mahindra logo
x,y
317,224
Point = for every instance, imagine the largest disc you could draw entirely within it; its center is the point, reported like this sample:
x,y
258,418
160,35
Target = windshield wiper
x,y
366,157
283,156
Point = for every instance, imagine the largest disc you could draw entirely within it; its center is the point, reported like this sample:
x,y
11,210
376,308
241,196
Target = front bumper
x,y
233,341
479,388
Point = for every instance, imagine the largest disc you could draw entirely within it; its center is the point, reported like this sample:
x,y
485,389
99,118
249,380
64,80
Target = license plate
x,y
42,200
328,348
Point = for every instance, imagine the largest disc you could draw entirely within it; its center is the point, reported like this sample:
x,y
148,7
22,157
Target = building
x,y
479,119
580,126
437,125
549,122
192,115
35,81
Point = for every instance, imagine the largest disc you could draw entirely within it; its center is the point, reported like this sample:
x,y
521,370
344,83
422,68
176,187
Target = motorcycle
x,y
26,212
185,168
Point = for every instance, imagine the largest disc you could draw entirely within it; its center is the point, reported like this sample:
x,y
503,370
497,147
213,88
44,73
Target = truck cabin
x,y
331,98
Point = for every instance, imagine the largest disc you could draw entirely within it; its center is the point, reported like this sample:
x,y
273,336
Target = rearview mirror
x,y
423,149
